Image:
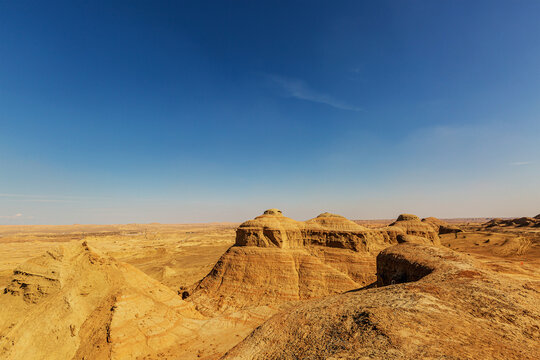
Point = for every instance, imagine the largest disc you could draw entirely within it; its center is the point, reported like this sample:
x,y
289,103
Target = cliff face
x,y
272,229
431,303
278,259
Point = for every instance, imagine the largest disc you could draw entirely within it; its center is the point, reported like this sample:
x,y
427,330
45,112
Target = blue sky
x,y
171,111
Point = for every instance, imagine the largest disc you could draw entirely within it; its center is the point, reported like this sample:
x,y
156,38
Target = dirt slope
x,y
74,303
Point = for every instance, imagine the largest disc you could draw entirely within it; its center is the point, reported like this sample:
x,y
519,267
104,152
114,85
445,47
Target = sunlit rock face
x,y
97,307
273,229
441,227
430,303
277,259
412,225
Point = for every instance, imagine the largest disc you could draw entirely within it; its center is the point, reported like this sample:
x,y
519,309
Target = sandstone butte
x,y
74,303
441,226
277,259
430,303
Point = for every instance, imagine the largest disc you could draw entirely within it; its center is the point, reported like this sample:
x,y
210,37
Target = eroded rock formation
x,y
278,259
441,227
517,222
432,303
75,303
272,229
412,225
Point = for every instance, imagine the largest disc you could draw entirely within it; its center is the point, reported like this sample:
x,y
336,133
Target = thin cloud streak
x,y
521,163
300,90
16,216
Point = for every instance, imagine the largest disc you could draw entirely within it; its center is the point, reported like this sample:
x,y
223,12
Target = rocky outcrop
x,y
441,227
75,303
412,225
403,238
517,222
431,303
272,229
250,276
525,221
277,259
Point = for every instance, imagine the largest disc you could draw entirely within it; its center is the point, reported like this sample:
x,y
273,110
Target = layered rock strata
x,y
441,227
412,225
75,303
277,259
431,303
517,222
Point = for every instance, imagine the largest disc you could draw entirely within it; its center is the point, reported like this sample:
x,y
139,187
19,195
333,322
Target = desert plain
x,y
273,288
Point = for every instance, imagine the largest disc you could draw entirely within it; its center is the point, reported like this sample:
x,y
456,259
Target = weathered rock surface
x,y
441,227
74,303
403,238
272,229
412,225
251,276
432,303
277,259
517,222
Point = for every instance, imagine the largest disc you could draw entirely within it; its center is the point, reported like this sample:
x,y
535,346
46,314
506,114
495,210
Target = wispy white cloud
x,y
521,163
16,216
298,89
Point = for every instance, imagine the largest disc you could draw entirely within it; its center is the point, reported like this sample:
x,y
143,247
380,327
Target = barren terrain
x,y
176,255
275,288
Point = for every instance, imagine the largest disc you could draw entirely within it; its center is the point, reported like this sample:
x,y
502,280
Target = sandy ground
x,y
176,255
514,251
